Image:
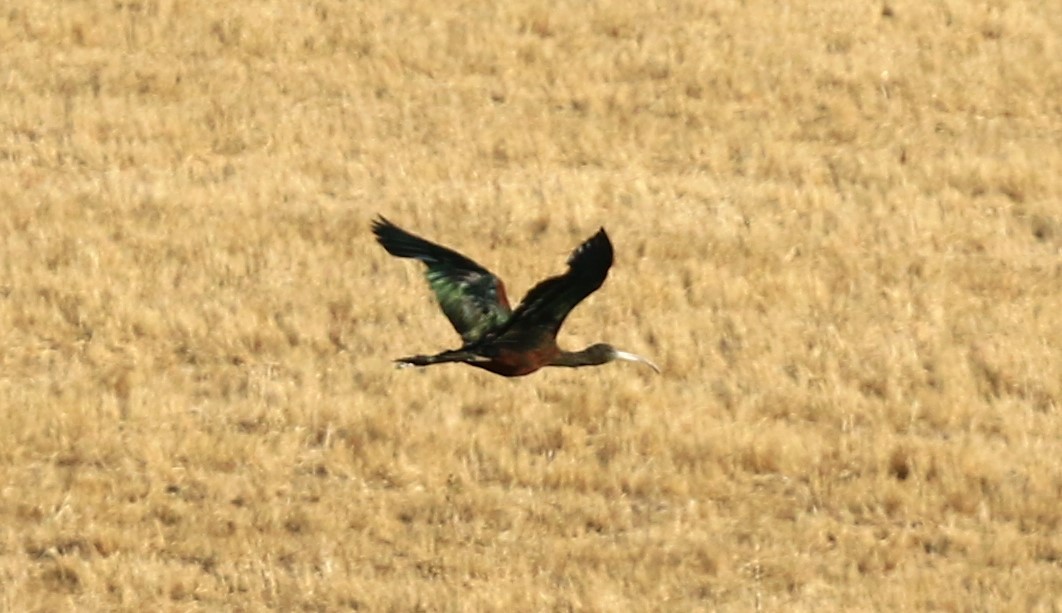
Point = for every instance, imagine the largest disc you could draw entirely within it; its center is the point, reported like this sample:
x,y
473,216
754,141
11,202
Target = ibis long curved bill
x,y
631,357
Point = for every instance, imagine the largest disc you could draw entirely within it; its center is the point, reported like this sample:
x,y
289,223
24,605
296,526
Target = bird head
x,y
607,353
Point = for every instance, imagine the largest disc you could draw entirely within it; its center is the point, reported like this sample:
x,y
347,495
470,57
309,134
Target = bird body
x,y
496,337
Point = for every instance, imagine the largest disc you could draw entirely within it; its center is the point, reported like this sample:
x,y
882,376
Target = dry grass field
x,y
838,230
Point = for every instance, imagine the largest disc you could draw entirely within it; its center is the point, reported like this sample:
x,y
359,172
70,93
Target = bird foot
x,y
414,360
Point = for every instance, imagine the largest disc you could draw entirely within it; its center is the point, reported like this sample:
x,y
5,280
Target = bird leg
x,y
456,355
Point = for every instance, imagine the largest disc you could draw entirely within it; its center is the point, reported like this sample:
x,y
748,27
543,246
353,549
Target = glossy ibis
x,y
497,338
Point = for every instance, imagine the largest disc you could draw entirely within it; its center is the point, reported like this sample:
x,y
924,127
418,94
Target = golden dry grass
x,y
838,229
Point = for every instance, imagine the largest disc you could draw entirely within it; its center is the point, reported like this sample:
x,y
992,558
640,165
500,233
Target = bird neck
x,y
575,359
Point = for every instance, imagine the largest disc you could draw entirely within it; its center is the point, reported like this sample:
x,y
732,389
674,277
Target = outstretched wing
x,y
547,304
472,298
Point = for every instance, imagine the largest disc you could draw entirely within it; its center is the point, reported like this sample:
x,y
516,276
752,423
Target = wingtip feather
x,y
598,246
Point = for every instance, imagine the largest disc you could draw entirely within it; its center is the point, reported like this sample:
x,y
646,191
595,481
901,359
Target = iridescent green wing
x,y
472,298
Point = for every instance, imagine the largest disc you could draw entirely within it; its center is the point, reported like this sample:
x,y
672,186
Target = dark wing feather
x,y
472,298
547,304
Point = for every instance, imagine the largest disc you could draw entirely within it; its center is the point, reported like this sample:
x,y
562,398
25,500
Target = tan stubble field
x,y
838,229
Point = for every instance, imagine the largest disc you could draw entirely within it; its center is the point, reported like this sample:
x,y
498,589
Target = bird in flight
x,y
505,341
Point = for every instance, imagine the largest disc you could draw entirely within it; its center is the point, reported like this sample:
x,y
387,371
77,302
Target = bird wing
x,y
547,304
472,297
